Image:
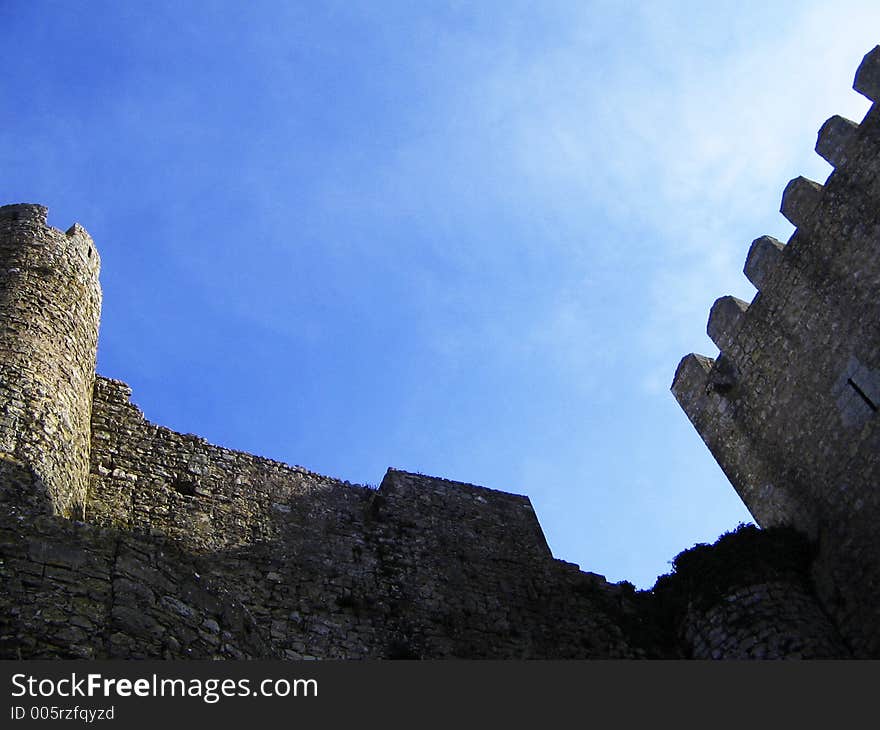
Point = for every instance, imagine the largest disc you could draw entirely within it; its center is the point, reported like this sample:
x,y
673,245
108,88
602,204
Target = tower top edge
x,y
25,211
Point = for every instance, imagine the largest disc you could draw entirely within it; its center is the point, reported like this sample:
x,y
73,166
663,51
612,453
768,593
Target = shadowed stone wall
x,y
121,538
748,596
789,407
421,567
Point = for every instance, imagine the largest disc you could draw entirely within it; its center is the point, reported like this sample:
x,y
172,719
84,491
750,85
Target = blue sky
x,y
467,239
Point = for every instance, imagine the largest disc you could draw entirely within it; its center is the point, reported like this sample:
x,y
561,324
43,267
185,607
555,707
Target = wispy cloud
x,y
478,235
695,149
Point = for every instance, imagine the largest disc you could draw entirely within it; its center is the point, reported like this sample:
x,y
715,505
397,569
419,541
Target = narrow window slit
x,y
862,394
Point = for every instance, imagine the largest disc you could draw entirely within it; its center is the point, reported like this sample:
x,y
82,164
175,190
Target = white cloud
x,y
657,155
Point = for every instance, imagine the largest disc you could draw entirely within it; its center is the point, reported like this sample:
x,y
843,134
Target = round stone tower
x,y
50,306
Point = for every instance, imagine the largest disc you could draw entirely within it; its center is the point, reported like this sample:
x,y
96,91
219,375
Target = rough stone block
x,y
690,383
799,200
834,136
867,79
724,320
763,257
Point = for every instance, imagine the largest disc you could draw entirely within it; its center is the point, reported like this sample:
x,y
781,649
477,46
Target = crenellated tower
x,y
789,406
50,305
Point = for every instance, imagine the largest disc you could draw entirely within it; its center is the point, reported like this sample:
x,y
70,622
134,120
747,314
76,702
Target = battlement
x,y
76,241
123,538
32,212
788,408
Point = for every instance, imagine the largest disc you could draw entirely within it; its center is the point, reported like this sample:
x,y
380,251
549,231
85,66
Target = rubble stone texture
x,y
123,539
51,302
789,407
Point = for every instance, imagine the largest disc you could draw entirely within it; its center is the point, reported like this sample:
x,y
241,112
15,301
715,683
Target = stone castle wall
x,y
74,591
192,550
50,304
120,538
775,620
421,567
149,478
748,596
789,407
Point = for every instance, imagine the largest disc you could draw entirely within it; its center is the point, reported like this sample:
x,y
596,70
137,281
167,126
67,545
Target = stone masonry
x,y
789,407
123,539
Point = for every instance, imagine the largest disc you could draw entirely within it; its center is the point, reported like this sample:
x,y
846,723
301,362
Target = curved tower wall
x,y
50,305
776,619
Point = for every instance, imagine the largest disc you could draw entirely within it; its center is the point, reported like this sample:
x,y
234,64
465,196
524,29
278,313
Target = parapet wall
x,y
191,550
207,498
71,590
789,407
420,567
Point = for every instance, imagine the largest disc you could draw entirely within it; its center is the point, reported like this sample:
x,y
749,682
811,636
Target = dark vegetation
x,y
704,574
